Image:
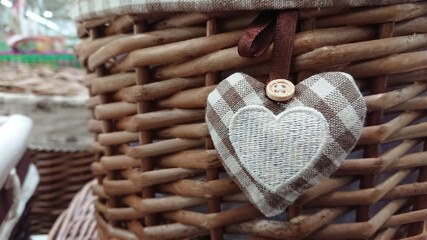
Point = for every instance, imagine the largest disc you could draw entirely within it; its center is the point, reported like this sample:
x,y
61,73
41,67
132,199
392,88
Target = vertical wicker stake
x,y
98,32
214,204
420,201
306,25
97,155
145,137
378,85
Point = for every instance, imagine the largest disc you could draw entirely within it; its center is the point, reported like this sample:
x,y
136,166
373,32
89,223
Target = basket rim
x,y
93,9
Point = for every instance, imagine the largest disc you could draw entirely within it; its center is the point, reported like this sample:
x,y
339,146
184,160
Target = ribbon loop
x,y
268,27
258,36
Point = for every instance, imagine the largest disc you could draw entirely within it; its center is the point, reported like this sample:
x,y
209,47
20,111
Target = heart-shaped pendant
x,y
276,151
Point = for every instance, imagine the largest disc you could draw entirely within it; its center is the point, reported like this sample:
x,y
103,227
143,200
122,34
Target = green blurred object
x,y
51,60
4,47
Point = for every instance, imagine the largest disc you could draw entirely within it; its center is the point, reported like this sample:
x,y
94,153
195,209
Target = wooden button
x,y
280,90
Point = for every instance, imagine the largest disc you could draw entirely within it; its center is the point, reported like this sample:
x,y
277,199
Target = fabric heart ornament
x,y
276,151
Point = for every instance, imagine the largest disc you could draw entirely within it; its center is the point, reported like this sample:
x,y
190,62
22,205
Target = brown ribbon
x,y
268,27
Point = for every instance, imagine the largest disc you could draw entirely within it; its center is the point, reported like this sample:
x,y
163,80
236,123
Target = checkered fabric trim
x,y
333,94
91,9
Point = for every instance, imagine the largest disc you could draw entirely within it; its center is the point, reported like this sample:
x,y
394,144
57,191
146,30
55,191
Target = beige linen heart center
x,y
284,144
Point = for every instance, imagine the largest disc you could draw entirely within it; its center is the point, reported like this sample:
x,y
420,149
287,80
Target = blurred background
x,y
36,26
41,80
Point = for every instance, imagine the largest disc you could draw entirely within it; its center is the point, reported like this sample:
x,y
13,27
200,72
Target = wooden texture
x,y
160,177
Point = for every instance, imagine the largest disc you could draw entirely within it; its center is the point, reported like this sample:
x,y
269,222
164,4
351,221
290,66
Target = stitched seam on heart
x,y
316,157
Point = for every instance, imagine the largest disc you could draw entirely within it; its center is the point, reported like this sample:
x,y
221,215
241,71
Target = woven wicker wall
x,y
62,175
159,176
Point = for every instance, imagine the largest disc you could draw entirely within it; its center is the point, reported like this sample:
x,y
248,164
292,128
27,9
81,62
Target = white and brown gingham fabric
x,y
91,9
333,95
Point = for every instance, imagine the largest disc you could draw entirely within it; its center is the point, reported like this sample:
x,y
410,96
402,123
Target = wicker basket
x,y
78,220
55,101
160,177
62,174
